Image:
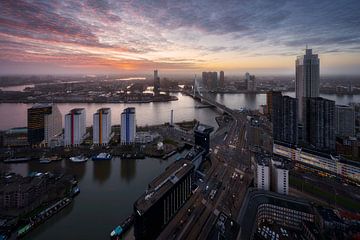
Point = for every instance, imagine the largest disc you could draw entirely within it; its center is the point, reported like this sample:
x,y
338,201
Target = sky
x,y
115,36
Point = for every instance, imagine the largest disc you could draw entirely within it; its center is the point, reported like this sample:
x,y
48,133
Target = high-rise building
x,y
165,195
319,123
102,126
128,126
344,121
44,123
262,173
156,82
250,82
222,79
271,96
202,136
284,117
279,175
75,127
307,79
210,80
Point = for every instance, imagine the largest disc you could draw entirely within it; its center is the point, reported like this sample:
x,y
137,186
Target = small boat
x,y
79,159
17,160
44,160
116,232
102,156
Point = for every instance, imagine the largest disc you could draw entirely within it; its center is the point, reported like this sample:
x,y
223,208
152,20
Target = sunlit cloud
x,y
113,36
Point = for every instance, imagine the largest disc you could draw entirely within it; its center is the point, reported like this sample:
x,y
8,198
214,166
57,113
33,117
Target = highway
x,y
224,187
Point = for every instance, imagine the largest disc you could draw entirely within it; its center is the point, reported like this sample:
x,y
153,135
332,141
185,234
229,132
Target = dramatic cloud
x,y
199,34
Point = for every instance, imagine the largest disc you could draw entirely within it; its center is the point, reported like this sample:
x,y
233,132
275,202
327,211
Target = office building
x,y
156,82
165,195
307,80
279,175
44,123
275,212
222,79
262,173
319,123
210,80
250,82
272,96
102,126
284,117
319,161
128,126
344,121
75,127
202,136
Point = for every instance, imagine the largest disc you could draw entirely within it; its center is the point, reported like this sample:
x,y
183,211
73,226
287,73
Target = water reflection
x,y
77,169
128,169
101,171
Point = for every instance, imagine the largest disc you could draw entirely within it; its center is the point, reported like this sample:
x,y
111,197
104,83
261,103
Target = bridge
x,y
203,97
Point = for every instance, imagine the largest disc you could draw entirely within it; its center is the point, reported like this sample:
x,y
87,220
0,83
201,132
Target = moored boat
x,y
102,156
79,159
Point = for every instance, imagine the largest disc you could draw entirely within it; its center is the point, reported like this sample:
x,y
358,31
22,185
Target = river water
x,y
109,189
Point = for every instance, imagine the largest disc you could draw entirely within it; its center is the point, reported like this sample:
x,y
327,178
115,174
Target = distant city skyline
x,y
117,37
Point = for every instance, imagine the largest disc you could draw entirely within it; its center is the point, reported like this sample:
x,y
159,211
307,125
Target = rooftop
x,y
41,105
163,183
202,128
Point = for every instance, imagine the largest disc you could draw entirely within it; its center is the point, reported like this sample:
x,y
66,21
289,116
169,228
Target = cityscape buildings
x,y
263,172
250,82
319,123
165,195
344,121
102,126
222,79
279,175
202,136
44,122
210,80
75,127
156,82
307,82
128,126
283,110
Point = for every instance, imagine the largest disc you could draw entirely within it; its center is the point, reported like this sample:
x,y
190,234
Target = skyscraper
x,y
75,127
284,117
210,80
128,126
319,123
202,136
307,79
156,82
250,82
44,122
344,121
222,79
102,126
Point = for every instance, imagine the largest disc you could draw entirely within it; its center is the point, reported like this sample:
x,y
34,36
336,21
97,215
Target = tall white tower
x,y
102,126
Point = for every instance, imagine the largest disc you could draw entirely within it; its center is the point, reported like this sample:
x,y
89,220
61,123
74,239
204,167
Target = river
x,y
109,189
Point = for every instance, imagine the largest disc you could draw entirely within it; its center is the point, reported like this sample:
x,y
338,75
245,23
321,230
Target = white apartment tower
x,y
75,127
102,126
307,79
263,174
128,126
279,177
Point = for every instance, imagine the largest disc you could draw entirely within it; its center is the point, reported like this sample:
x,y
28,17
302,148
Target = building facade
x,y
156,82
75,127
202,136
165,195
307,81
102,126
319,123
279,176
262,172
284,117
318,160
344,121
44,122
222,79
128,126
250,82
